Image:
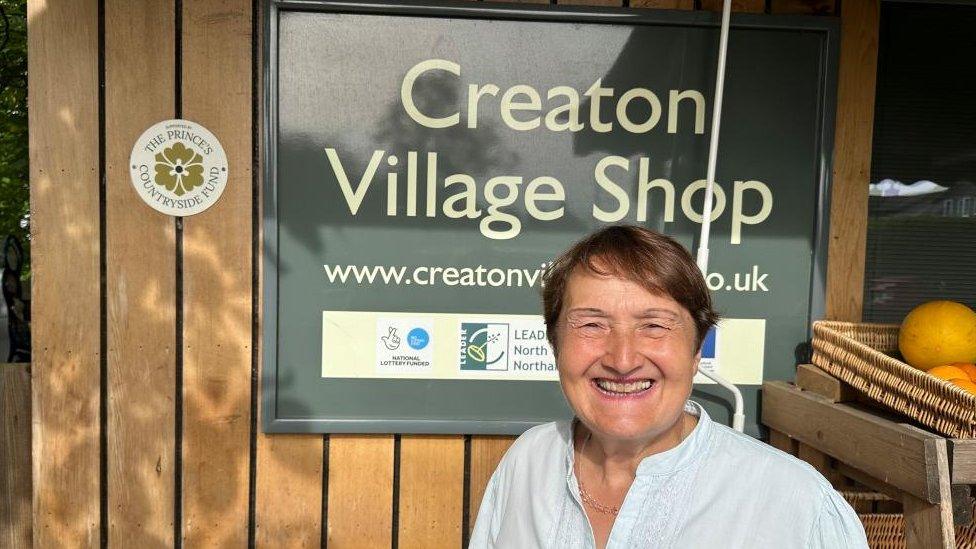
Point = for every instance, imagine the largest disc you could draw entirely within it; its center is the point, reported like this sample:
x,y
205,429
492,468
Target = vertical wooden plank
x,y
852,159
738,6
486,452
140,281
288,506
664,4
62,51
217,272
361,491
804,7
963,452
15,456
962,504
929,525
782,441
821,462
431,491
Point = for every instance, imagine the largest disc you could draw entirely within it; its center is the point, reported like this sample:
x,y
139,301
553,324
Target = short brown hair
x,y
654,261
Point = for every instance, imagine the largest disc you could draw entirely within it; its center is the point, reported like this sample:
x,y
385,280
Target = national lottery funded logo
x,y
178,167
484,346
404,345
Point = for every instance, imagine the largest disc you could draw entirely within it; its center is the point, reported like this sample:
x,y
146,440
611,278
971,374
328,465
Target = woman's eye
x,y
654,329
591,328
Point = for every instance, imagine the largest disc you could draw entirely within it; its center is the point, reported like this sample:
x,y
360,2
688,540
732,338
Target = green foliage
x,y
14,175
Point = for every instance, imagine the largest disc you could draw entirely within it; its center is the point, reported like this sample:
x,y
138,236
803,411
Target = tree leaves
x,y
14,158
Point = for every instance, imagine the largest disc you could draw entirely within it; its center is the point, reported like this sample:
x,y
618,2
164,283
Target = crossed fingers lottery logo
x,y
391,340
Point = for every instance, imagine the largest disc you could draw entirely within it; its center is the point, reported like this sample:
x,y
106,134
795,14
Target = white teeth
x,y
624,388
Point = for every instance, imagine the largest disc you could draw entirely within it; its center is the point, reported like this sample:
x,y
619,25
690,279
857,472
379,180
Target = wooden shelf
x,y
829,425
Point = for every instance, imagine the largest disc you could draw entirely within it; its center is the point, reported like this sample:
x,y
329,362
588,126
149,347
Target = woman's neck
x,y
617,460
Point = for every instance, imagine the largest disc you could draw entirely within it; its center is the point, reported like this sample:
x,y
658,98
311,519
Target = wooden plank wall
x,y
15,462
147,328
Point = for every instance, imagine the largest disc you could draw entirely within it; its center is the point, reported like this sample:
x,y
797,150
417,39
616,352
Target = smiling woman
x,y
640,465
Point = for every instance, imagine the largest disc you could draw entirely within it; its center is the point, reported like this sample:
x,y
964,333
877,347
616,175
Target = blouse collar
x,y
685,453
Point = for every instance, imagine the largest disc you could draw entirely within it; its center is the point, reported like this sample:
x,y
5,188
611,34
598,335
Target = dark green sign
x,y
425,163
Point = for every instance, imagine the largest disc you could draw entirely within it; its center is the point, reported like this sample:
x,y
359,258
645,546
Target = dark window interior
x,y
921,240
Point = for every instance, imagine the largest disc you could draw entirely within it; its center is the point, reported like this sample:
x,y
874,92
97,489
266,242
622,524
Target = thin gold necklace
x,y
584,495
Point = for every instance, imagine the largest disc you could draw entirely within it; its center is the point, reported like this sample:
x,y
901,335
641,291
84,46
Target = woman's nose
x,y
621,354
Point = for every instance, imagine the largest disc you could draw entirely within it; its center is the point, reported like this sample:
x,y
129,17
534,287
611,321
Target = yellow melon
x,y
938,332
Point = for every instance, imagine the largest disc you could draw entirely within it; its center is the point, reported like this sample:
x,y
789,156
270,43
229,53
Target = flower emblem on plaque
x,y
179,169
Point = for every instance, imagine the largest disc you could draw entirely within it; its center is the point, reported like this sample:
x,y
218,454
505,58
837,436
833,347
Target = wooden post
x,y
62,58
929,524
852,158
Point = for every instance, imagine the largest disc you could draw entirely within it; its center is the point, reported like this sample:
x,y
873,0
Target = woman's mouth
x,y
623,388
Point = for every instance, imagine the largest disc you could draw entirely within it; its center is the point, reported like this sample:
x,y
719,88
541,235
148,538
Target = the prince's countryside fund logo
x,y
178,167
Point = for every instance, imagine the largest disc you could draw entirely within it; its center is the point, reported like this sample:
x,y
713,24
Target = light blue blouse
x,y
717,489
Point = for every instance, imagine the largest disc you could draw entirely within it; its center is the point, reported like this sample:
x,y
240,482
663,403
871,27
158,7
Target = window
x,y
966,207
921,240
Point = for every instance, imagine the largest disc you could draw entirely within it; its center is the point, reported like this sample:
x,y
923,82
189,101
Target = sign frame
x,y
270,420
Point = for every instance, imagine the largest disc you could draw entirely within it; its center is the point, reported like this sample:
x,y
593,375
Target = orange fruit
x,y
938,332
970,369
967,385
949,373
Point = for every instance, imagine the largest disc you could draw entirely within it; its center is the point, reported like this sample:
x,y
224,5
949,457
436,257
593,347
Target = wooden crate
x,y
858,446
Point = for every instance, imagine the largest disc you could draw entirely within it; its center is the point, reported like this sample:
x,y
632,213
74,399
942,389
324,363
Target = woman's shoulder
x,y
547,442
542,436
786,498
743,453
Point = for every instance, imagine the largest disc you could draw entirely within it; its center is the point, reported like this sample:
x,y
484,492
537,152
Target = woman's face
x,y
626,357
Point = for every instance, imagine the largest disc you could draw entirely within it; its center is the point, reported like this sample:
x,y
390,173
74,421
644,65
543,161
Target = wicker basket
x,y
888,532
860,355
